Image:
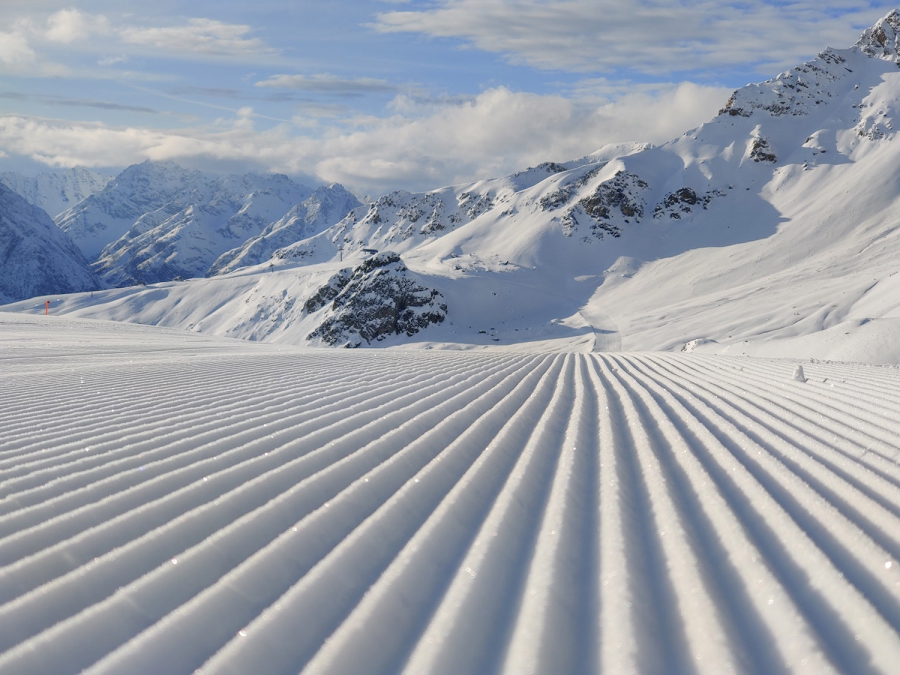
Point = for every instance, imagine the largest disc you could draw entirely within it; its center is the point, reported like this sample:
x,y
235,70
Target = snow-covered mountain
x,y
325,207
402,220
143,188
56,192
186,235
157,221
771,229
37,258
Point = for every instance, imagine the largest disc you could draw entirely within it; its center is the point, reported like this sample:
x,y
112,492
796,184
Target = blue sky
x,y
382,94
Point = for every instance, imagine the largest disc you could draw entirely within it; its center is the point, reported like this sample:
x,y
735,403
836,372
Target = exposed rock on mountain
x,y
761,151
56,192
36,257
622,194
378,300
684,201
883,39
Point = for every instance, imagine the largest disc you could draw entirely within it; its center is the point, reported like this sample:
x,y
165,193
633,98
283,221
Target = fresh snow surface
x,y
173,502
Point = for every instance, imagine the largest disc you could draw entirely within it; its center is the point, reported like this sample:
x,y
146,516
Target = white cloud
x,y
68,25
14,49
492,134
112,60
650,36
205,37
501,131
31,44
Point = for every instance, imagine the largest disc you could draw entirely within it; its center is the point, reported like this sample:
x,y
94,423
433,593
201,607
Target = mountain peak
x,y
883,39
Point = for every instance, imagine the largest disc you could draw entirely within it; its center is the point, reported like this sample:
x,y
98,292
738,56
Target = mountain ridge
x,y
37,258
768,229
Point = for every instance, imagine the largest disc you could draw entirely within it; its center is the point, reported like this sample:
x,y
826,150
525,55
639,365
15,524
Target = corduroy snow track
x,y
170,503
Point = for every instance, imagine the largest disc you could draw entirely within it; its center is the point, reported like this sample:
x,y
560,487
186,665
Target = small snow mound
x,y
799,375
699,342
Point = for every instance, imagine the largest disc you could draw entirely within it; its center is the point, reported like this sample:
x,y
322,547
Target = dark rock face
x,y
882,40
377,300
683,201
761,151
615,194
620,195
328,292
564,195
615,197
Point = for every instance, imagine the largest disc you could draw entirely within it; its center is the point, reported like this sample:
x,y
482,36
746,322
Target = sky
x,y
383,94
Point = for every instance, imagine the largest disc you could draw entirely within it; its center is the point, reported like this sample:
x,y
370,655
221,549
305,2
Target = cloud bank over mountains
x,y
494,133
387,95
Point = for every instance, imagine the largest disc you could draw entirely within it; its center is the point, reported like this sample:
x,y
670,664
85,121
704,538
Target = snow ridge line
x,y
451,512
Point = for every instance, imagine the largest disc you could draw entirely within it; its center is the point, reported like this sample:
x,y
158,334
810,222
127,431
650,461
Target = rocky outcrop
x,y
562,196
614,201
761,151
328,292
682,202
882,40
380,298
796,92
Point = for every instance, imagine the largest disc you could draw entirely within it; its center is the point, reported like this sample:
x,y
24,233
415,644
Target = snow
x,y
171,501
640,425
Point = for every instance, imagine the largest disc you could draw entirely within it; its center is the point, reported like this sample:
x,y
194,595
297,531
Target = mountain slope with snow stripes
x,y
170,502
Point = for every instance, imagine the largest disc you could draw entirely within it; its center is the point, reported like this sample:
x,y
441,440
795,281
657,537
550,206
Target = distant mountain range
x,y
56,192
771,229
36,257
157,221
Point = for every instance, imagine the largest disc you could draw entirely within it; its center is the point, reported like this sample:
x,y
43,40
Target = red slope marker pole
x,y
47,308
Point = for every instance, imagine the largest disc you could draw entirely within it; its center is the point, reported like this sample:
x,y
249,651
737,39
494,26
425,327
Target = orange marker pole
x,y
47,308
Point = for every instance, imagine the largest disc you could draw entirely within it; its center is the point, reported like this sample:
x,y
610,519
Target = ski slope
x,y
172,502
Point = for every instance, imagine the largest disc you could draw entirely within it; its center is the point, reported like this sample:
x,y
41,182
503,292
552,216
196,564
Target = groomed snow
x,y
171,501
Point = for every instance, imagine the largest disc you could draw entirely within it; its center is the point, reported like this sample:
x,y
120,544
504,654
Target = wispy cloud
x,y
77,102
329,84
205,37
644,35
31,42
